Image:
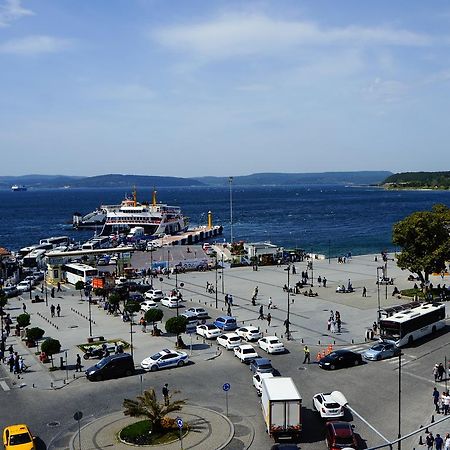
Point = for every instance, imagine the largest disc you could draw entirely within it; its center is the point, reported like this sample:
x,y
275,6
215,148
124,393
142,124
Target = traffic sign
x,y
180,422
191,328
226,387
78,415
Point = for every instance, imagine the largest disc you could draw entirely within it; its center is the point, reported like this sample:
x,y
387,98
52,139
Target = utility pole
x,y
216,281
223,279
230,180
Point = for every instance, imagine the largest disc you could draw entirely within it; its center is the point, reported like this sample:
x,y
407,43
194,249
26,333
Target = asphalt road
x,y
371,389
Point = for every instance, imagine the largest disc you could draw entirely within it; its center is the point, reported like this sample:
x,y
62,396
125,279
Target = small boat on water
x,y
155,218
18,187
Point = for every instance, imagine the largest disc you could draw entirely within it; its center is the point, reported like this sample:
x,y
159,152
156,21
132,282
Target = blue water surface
x,y
324,219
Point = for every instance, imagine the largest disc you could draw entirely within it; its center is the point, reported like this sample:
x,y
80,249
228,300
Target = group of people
x,y
437,442
57,309
438,371
15,362
334,323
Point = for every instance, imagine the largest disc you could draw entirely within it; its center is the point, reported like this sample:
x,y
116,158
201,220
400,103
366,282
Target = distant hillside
x,y
418,180
38,181
117,180
363,177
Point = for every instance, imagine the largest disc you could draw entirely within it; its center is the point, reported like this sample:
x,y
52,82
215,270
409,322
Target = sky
x,y
193,88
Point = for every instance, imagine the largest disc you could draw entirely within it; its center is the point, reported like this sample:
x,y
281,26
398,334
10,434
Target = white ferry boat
x,y
155,218
18,187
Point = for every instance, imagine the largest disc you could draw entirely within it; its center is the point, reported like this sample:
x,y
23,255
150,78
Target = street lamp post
x,y
223,279
216,281
131,332
230,180
378,293
386,277
399,399
30,290
168,263
288,331
45,286
90,316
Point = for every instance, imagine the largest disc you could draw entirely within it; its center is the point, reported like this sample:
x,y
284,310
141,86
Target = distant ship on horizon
x,y
18,187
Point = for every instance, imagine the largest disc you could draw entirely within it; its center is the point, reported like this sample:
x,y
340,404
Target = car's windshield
x,y
248,350
273,341
237,338
156,356
333,355
18,439
331,405
344,440
101,363
378,347
211,327
264,366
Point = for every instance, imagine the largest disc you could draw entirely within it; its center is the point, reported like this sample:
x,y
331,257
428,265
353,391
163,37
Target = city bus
x,y
407,326
79,272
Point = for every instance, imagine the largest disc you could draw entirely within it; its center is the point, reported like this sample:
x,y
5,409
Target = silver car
x,y
381,350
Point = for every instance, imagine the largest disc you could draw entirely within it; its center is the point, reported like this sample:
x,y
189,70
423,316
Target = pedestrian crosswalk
x,y
393,362
4,385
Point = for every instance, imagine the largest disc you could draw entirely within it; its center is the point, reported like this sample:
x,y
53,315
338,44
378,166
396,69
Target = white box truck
x,y
281,406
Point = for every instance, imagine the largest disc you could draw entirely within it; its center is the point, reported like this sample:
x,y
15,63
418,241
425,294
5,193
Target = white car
x,y
229,340
245,353
271,344
148,304
325,404
257,380
24,286
208,330
154,294
200,313
171,302
249,333
164,359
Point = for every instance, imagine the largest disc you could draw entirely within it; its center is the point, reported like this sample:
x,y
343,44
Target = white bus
x,y
407,326
79,272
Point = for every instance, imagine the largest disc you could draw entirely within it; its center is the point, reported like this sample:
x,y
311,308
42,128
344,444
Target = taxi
x,y
18,437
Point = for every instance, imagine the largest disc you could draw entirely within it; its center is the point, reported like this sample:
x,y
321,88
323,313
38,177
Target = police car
x,y
164,359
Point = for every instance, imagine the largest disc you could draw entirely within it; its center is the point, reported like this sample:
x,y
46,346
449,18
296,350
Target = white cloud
x,y
33,45
12,10
239,35
386,91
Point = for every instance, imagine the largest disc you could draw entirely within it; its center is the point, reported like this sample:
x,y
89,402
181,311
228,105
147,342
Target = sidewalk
x,y
210,430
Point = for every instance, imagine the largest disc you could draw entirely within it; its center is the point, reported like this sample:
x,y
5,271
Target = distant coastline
x,y
433,181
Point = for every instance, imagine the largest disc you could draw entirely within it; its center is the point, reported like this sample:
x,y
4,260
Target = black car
x,y
339,359
136,297
112,366
285,446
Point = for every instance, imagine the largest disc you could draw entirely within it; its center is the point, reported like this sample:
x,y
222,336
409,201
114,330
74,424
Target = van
x,y
226,323
112,366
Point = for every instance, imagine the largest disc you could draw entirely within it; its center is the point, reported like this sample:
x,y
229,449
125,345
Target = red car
x,y
339,435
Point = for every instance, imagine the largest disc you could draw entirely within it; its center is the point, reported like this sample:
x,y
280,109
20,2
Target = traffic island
x,y
212,431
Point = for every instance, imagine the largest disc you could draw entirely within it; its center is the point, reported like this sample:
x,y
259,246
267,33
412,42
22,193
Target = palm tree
x,y
147,405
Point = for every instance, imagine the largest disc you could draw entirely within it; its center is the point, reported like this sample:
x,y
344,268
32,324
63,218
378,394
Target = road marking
x,y
4,386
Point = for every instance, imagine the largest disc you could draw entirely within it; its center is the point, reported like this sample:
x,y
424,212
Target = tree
x,y
50,347
132,307
114,299
176,325
154,315
424,240
23,320
34,334
148,406
79,286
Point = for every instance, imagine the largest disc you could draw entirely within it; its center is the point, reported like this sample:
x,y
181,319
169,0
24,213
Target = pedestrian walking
x,y
436,399
52,310
261,313
11,362
58,287
441,371
324,282
270,303
445,402
447,442
286,324
307,353
165,392
329,323
229,310
21,365
52,292
24,308
143,323
435,372
58,310
429,440
78,363
269,318
364,293
339,324
438,442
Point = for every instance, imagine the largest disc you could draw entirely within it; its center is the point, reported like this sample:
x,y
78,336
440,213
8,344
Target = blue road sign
x,y
226,387
180,423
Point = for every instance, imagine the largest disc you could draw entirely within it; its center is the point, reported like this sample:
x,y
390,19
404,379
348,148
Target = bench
x,y
95,339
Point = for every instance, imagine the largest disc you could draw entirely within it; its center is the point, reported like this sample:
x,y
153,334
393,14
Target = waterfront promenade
x,y
308,316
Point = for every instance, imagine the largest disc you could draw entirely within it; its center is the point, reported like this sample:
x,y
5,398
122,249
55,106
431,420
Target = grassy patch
x,y
412,292
139,433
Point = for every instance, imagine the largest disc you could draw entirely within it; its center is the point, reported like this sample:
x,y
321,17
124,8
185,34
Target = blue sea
x,y
324,219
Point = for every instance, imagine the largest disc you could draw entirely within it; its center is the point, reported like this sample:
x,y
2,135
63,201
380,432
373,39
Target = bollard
x,y
319,343
33,385
334,342
353,341
302,341
51,384
432,418
420,440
